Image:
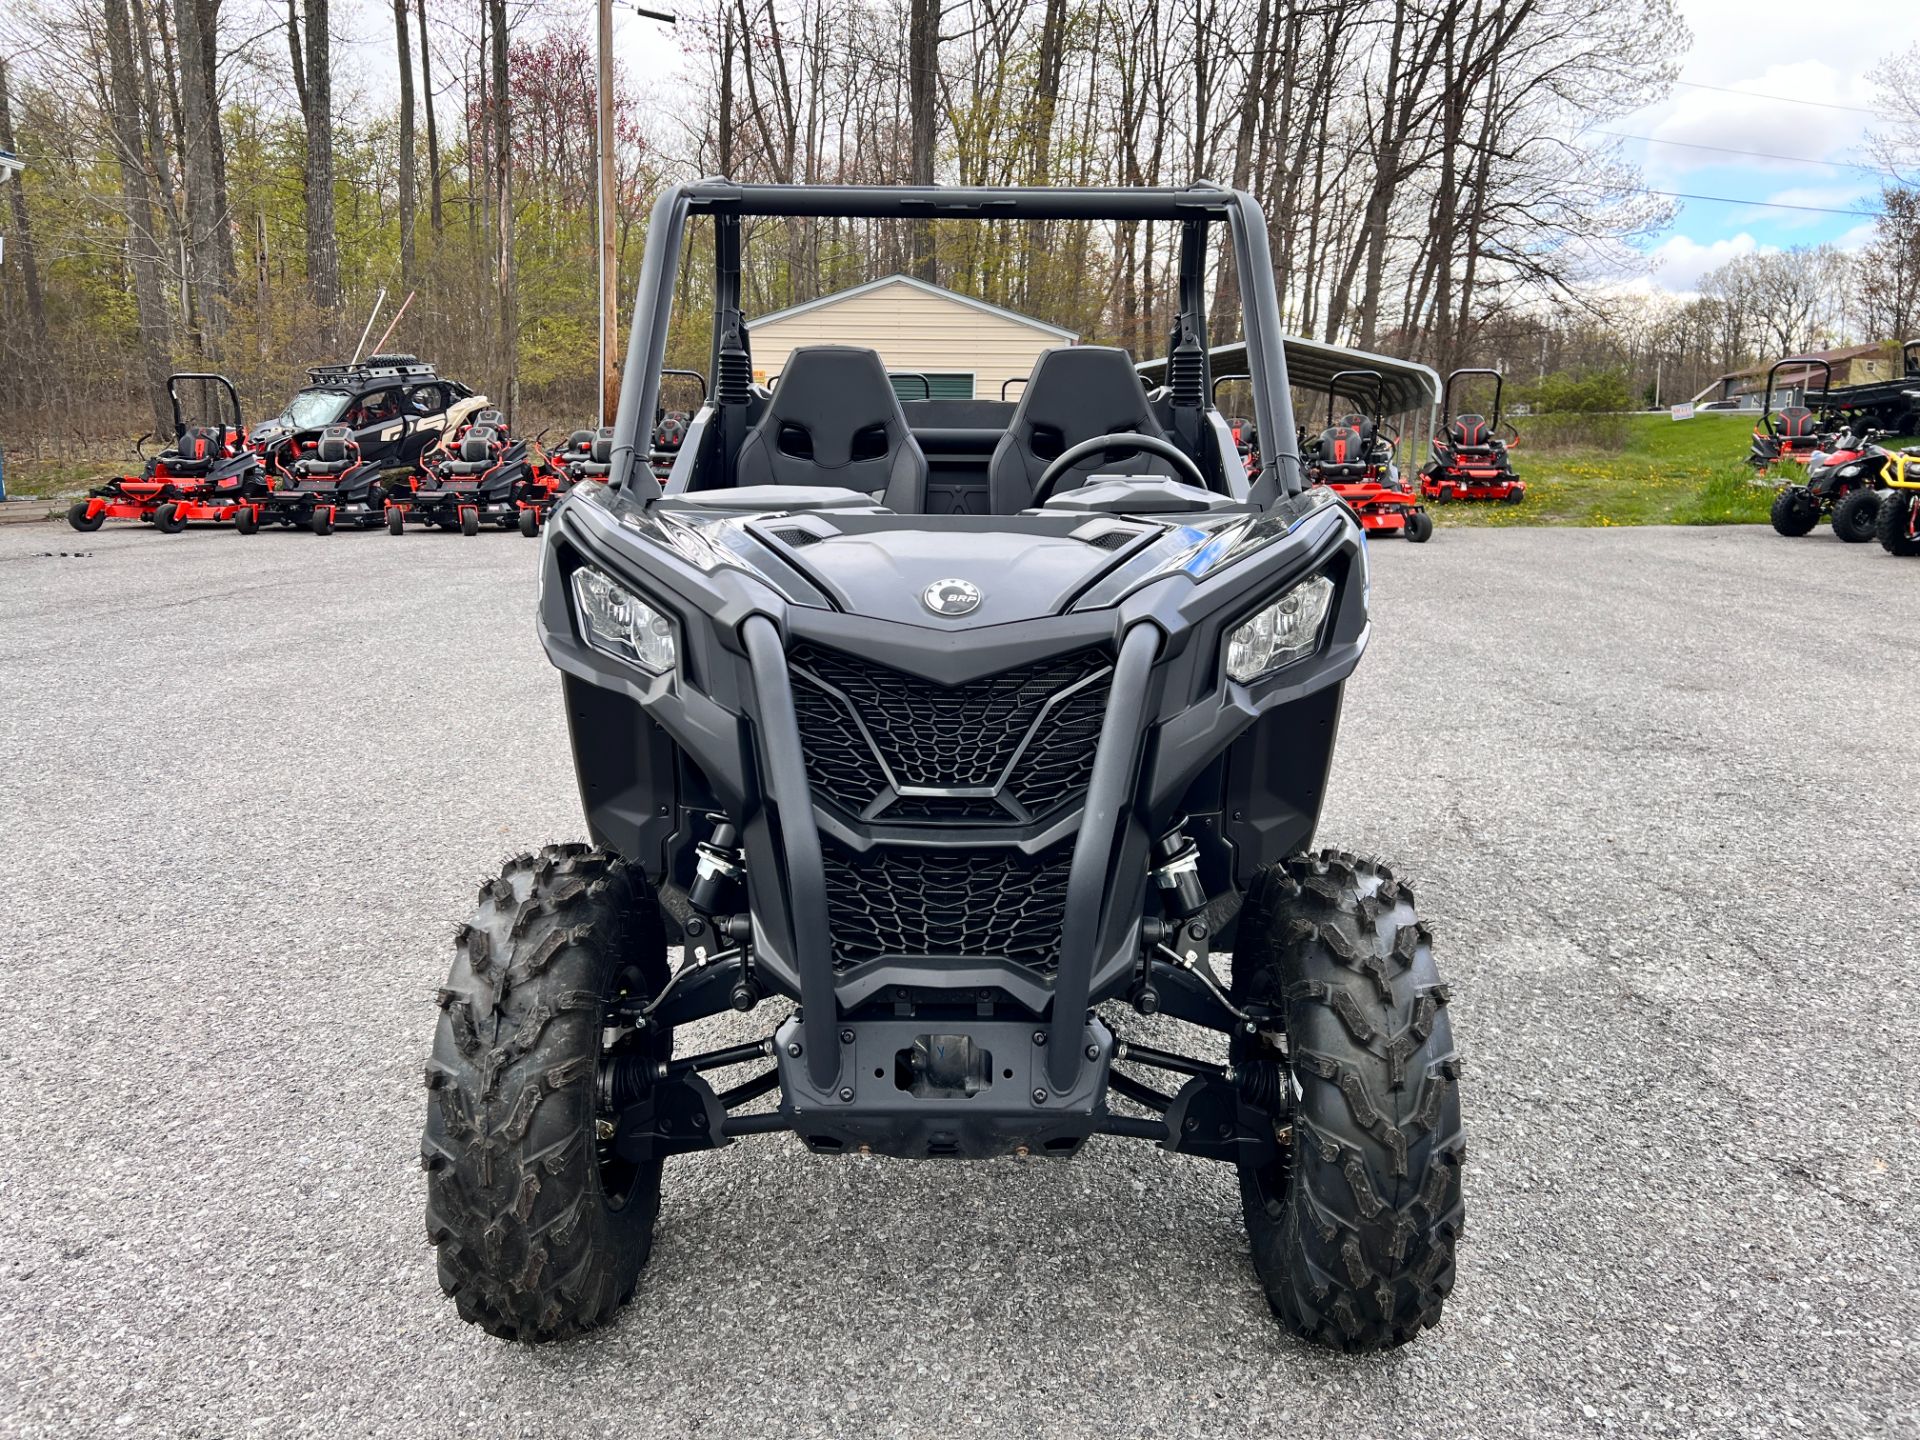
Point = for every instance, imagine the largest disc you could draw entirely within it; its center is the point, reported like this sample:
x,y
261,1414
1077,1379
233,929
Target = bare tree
x,y
143,255
407,185
22,227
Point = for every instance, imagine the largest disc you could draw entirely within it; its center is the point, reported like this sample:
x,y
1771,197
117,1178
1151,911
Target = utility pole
x,y
609,261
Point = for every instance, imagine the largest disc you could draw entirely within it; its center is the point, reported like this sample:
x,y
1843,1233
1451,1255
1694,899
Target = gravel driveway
x,y
1643,781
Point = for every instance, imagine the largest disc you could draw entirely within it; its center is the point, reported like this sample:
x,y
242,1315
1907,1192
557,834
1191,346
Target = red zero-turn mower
x,y
1793,432
1472,460
1354,458
482,476
327,484
210,473
588,456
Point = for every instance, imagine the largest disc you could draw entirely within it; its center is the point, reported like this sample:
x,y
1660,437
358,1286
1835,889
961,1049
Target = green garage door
x,y
949,385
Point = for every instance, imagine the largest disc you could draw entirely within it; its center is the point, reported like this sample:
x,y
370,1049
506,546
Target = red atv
x,y
211,472
1354,458
1844,482
1794,432
1472,460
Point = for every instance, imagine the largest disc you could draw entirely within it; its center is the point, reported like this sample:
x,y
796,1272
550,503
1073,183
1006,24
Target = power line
x,y
1771,204
1754,154
1783,99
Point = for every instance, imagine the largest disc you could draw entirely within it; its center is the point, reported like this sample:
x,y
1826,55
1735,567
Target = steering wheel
x,y
1139,444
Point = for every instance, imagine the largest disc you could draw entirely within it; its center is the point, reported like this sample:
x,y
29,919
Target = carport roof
x,y
1312,364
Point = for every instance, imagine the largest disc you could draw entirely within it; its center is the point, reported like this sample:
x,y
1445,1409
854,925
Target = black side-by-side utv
x,y
955,779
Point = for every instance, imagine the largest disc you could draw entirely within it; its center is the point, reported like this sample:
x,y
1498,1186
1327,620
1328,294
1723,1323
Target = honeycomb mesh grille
x,y
861,723
961,903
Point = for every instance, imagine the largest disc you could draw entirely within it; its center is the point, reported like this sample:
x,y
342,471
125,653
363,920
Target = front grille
x,y
1006,748
954,903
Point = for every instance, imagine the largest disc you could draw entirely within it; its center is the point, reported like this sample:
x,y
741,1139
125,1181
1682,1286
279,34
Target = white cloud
x,y
1859,237
1680,262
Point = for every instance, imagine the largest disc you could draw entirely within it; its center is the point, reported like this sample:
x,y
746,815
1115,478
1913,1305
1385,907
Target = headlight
x,y
1847,472
619,623
1285,631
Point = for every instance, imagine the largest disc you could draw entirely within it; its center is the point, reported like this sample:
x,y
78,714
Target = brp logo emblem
x,y
951,597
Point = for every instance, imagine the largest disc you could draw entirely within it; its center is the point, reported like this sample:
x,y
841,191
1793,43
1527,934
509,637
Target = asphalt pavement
x,y
1655,789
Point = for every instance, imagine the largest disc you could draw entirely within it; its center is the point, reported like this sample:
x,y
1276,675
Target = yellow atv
x,y
1899,523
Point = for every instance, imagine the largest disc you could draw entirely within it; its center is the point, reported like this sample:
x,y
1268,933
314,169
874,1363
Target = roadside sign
x,y
1682,412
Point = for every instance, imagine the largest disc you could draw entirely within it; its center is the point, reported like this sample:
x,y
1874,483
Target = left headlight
x,y
1283,632
619,623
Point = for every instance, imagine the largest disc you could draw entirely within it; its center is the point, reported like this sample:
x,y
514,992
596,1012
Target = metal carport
x,y
1312,364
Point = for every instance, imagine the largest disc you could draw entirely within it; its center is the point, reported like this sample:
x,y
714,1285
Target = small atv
x,y
1472,460
1843,482
954,796
1898,525
326,485
483,476
1793,432
1354,458
210,472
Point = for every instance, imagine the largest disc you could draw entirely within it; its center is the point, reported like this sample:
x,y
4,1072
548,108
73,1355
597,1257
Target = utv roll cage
x,y
1196,209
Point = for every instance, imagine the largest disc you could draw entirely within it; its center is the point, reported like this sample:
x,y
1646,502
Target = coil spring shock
x,y
1264,1083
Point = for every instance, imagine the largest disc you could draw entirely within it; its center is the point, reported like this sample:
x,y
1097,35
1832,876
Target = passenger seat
x,y
835,421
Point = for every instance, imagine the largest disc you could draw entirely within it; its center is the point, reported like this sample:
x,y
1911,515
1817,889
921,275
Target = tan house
x,y
966,348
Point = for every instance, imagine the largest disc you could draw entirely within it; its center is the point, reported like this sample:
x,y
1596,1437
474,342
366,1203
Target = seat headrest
x,y
602,451
477,444
491,417
1080,391
1469,430
581,440
834,405
333,444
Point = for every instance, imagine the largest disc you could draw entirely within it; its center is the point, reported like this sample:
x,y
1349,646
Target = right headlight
x,y
619,623
1281,633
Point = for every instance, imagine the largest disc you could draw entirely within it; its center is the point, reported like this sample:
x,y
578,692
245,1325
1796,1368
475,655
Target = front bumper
x,y
655,754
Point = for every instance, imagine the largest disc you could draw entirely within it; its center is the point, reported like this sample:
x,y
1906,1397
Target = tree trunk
x,y
323,254
433,134
401,51
196,149
143,255
223,232
503,205
22,230
923,59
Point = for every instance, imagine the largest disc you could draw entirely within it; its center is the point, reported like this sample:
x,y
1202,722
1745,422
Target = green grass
x,y
1651,471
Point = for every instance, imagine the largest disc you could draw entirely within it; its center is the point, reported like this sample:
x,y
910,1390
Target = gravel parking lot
x,y
1647,785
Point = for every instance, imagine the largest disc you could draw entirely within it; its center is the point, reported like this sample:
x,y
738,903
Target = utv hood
x,y
932,578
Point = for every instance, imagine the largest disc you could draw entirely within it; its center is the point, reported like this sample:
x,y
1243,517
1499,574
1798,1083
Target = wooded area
x,y
218,184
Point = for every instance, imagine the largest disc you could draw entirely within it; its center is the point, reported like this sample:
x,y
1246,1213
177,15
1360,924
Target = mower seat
x,y
1341,453
1470,432
599,462
334,453
834,420
580,442
198,447
1796,422
1076,392
479,451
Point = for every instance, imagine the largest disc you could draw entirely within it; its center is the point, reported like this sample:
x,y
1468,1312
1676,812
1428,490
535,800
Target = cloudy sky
x,y
1781,56
1793,133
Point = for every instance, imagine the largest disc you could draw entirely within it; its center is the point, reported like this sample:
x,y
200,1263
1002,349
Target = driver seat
x,y
1076,393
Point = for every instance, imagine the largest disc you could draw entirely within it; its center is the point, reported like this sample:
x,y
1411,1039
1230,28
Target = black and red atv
x,y
326,484
1794,432
1472,459
211,472
483,476
1844,482
1354,458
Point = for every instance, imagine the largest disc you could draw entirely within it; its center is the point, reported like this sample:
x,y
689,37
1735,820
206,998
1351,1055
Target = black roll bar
x,y
173,394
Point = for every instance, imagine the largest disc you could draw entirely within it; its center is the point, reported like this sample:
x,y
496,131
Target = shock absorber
x,y
720,863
